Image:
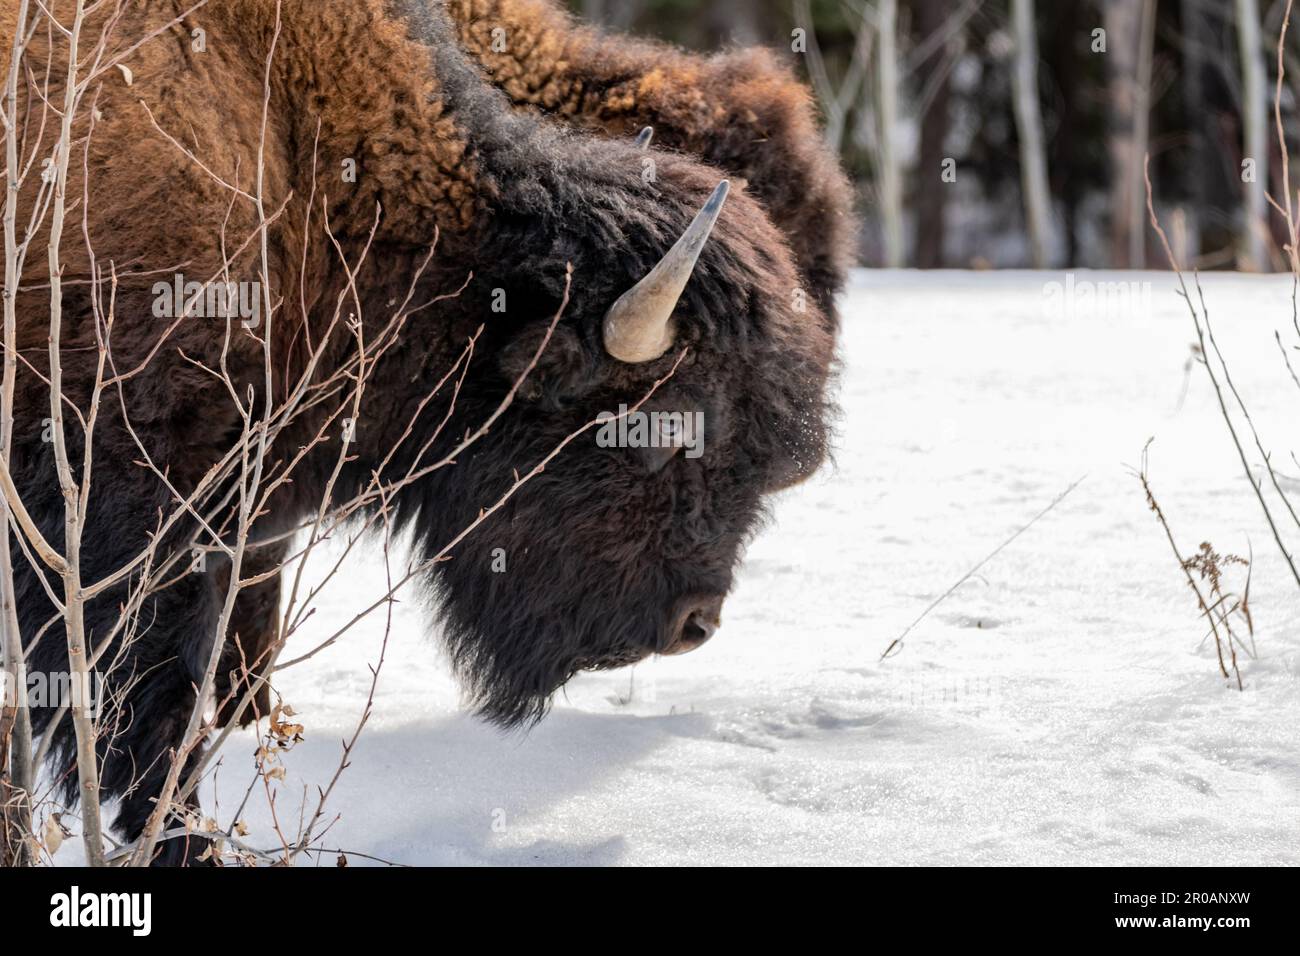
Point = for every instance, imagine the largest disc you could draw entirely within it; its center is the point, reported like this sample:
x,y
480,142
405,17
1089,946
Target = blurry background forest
x,y
1011,133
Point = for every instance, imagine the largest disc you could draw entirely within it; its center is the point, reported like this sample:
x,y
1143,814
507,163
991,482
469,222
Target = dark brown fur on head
x,y
603,546
742,110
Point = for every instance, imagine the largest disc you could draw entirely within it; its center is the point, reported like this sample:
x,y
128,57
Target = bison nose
x,y
696,620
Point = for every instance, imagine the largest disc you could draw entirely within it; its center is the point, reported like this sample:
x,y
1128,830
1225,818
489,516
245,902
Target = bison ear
x,y
564,370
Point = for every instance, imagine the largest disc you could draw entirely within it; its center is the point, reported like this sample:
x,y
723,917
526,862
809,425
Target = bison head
x,y
617,549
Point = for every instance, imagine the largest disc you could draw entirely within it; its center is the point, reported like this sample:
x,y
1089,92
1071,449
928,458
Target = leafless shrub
x,y
1266,484
1204,572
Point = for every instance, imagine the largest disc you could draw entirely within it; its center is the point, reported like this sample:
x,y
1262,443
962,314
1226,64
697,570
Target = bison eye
x,y
671,431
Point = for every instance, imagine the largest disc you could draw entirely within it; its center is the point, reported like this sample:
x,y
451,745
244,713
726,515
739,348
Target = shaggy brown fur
x,y
742,110
605,548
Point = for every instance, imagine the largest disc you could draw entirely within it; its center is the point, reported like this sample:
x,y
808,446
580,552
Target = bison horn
x,y
643,138
639,327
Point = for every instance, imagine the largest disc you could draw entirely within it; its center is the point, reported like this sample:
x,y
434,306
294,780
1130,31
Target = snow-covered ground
x,y
1060,708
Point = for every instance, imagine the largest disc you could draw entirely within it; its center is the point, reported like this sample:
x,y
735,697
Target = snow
x,y
1059,708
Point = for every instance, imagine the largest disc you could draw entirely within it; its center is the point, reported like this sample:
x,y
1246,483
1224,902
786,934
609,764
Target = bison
x,y
614,553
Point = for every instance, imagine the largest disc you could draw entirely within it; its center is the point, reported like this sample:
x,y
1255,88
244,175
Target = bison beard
x,y
579,592
606,551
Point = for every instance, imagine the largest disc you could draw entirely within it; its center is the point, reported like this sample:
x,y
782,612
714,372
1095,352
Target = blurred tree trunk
x,y
736,21
1029,127
1254,124
1066,172
1196,41
1129,32
1121,18
889,179
837,100
931,192
619,13
1137,246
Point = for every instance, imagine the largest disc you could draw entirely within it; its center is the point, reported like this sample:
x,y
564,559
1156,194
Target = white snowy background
x,y
1062,707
